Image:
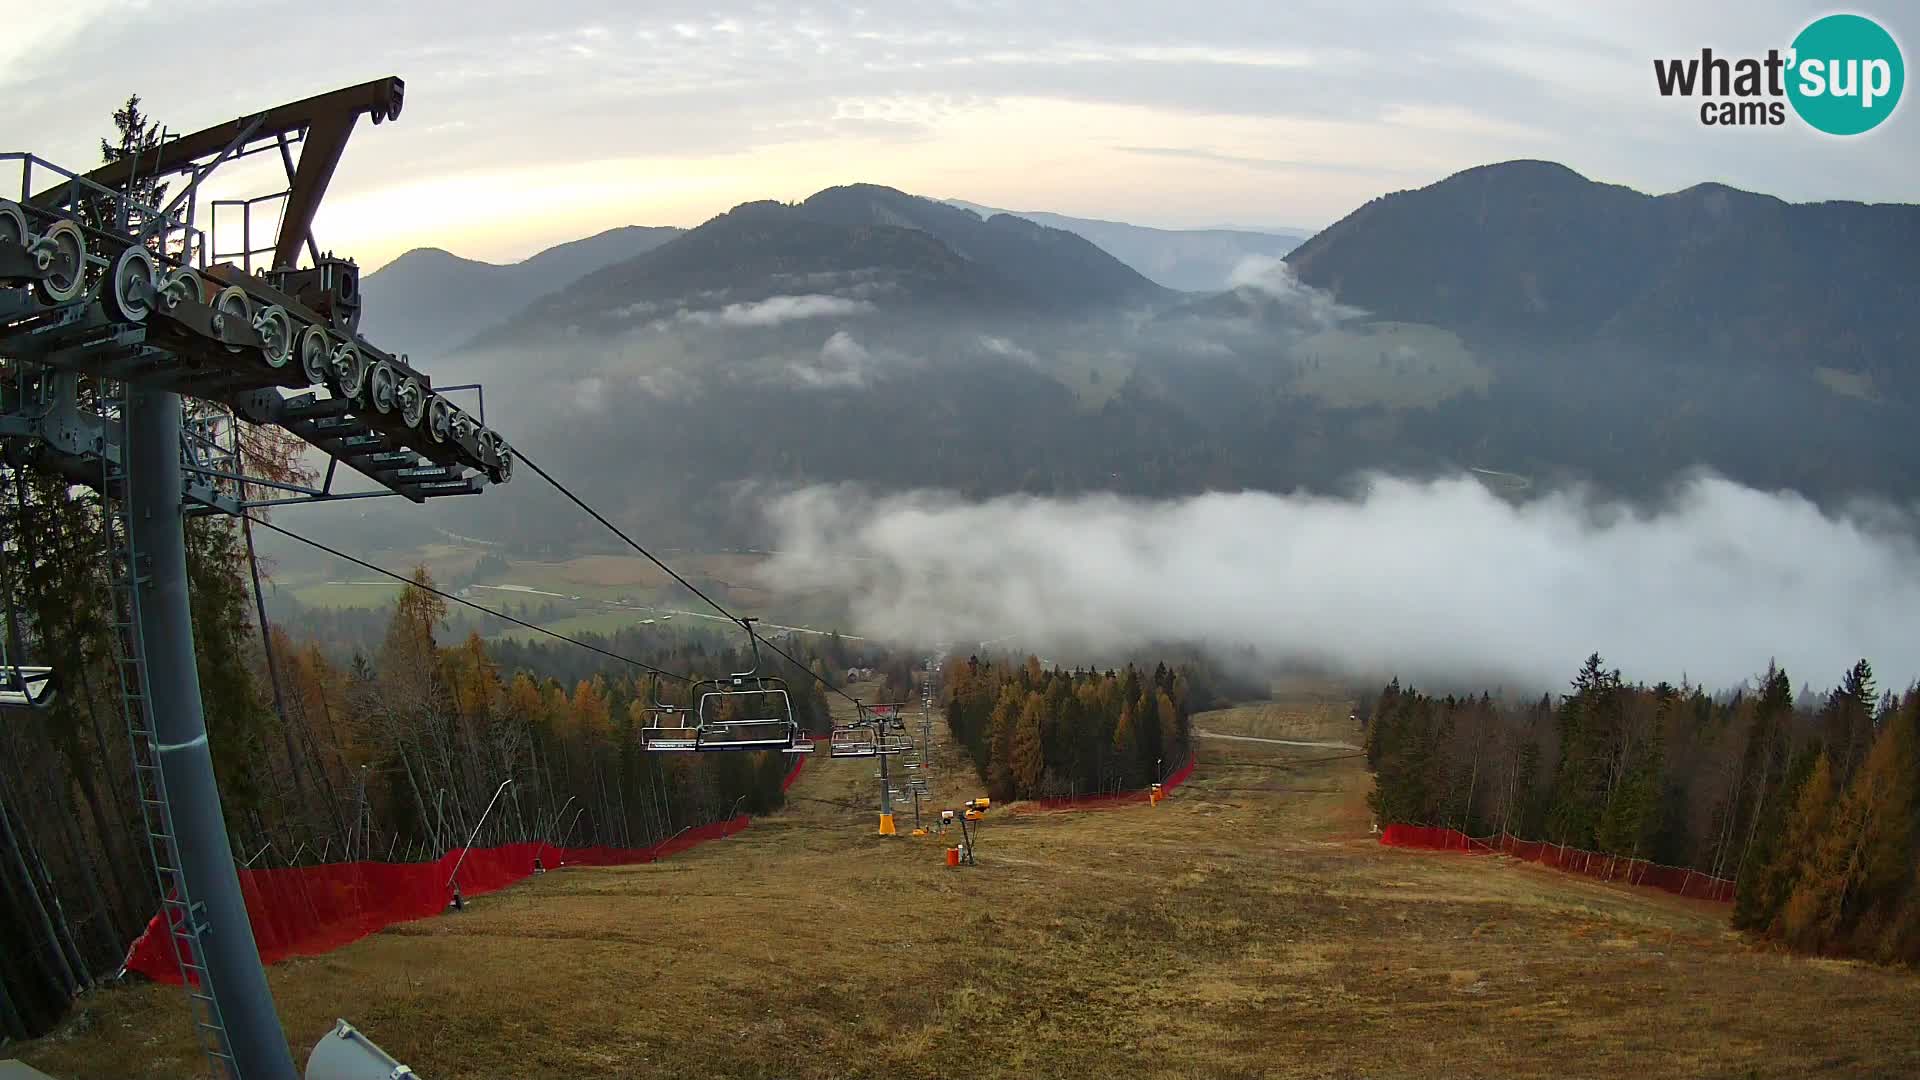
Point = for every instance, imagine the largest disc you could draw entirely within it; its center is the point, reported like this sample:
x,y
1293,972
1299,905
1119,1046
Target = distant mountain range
x,y
862,242
1194,260
1533,251
428,300
1515,317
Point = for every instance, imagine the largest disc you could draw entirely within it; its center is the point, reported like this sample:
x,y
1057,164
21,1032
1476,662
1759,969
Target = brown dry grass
x,y
1248,928
1309,721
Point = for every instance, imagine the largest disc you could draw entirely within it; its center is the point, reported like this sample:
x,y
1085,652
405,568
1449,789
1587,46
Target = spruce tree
x,y
1765,878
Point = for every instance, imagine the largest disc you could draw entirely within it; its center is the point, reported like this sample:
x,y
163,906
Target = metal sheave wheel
x,y
413,402
348,369
131,291
497,454
66,249
314,351
382,382
13,224
182,285
234,308
460,428
439,419
275,328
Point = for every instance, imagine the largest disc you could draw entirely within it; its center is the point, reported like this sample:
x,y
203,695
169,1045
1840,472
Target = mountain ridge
x,y
1533,250
429,299
1190,260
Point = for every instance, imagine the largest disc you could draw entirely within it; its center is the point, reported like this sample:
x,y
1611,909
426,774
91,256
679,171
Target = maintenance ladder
x,y
185,919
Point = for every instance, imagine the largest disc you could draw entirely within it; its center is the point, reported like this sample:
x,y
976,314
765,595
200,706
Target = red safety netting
x,y
1112,798
309,910
799,762
1674,879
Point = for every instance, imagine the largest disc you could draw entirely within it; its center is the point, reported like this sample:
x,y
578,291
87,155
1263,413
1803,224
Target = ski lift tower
x,y
135,351
879,718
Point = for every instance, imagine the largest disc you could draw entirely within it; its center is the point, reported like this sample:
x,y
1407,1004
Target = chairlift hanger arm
x,y
753,643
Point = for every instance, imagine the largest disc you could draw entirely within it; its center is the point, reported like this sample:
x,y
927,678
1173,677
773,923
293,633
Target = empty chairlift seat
x,y
852,742
746,713
670,731
761,734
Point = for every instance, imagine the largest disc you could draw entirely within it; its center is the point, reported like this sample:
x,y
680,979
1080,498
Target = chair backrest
x,y
756,699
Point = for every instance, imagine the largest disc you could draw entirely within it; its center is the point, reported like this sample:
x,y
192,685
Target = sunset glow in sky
x,y
530,124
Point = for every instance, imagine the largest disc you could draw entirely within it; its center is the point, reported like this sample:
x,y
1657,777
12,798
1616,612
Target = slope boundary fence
x,y
1110,798
1677,880
311,910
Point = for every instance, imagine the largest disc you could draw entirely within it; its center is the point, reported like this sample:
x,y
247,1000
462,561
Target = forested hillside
x,y
1535,251
1193,260
427,301
1812,808
1036,733
391,754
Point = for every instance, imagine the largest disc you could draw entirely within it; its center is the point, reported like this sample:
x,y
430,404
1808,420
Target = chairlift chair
x,y
28,688
769,724
744,711
22,687
667,729
852,742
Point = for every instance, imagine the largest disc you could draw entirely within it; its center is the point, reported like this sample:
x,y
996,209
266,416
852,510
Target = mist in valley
x,y
1265,471
1424,579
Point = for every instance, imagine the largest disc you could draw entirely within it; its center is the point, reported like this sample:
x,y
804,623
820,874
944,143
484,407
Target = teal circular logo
x,y
1845,74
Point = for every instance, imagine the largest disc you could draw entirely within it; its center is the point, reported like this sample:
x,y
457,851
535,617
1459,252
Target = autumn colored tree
x,y
1028,750
1035,732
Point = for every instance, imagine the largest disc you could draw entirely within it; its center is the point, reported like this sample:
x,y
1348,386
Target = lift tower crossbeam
x,y
322,122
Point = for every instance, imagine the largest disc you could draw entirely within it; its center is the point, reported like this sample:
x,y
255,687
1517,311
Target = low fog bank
x,y
1437,581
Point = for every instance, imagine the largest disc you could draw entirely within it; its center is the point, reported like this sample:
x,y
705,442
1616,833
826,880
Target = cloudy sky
x,y
530,124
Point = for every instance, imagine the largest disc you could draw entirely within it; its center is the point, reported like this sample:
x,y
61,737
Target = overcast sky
x,y
530,124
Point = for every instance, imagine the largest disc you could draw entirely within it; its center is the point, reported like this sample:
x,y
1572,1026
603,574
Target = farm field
x,y
1249,927
590,594
1393,364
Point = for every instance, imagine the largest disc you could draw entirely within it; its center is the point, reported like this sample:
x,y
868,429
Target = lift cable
x,y
363,564
691,587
